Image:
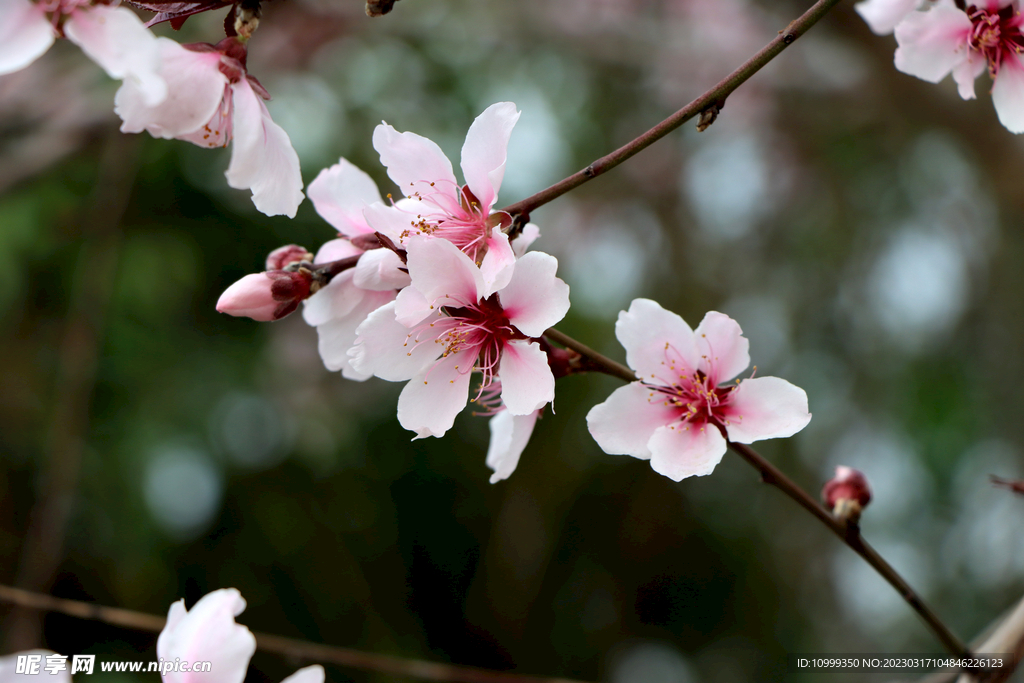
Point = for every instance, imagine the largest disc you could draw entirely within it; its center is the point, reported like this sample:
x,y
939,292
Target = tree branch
x,y
294,649
711,101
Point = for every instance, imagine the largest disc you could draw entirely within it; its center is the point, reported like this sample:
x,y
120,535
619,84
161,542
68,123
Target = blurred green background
x,y
864,228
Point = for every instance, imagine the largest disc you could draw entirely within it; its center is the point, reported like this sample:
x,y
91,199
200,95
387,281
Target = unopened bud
x,y
283,256
267,296
377,8
847,494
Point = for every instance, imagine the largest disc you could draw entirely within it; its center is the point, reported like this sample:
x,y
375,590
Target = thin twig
x,y
712,100
294,649
770,474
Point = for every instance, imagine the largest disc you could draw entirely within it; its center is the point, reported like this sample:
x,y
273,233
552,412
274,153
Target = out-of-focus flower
x,y
676,415
434,203
947,40
449,322
113,37
33,667
208,633
883,15
339,194
847,493
210,101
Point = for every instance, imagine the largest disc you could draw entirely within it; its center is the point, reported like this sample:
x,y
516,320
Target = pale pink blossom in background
x,y
675,415
211,101
450,322
435,205
883,15
339,194
113,37
208,633
946,40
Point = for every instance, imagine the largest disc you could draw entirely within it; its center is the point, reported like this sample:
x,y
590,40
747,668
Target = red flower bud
x,y
290,253
847,494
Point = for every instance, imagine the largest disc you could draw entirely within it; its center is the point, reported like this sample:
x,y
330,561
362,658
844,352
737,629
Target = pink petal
x,y
380,270
333,301
967,72
250,297
390,221
208,632
625,422
683,450
117,40
411,307
443,274
432,399
340,193
535,299
384,348
932,43
526,380
509,436
485,150
310,674
335,250
498,263
766,408
883,15
262,158
659,344
723,348
416,164
1008,94
25,34
527,237
195,91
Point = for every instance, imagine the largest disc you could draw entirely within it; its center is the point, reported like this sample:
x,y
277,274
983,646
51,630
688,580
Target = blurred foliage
x,y
863,227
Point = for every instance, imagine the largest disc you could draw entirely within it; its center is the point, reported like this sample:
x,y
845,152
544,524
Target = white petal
x,y
117,40
389,221
932,43
1008,94
380,270
208,632
535,299
883,15
337,311
683,450
411,307
340,193
416,164
25,34
659,344
9,668
332,301
309,674
509,436
498,263
432,399
385,348
624,424
724,351
766,408
195,91
967,72
262,157
527,237
443,274
485,151
335,250
526,380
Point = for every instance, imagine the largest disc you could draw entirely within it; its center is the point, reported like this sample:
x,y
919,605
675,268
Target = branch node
x,y
708,116
789,38
589,171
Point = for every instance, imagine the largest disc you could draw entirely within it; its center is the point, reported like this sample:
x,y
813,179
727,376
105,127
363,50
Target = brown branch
x,y
770,474
293,649
711,102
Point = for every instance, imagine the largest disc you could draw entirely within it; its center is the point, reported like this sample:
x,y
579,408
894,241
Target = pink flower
x,y
211,100
339,194
883,15
449,322
113,37
436,205
678,416
848,484
947,40
208,633
267,296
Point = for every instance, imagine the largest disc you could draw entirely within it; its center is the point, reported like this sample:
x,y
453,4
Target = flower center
x,y
696,399
995,35
462,223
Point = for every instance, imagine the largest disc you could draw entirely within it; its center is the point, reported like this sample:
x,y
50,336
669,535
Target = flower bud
x,y
847,494
267,296
290,253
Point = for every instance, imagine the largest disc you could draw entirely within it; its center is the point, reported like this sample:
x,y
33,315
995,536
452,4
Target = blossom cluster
x,y
199,92
937,38
437,287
